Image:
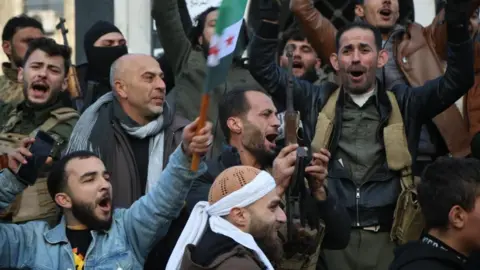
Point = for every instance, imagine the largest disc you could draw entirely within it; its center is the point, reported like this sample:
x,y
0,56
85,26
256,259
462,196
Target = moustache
x,y
356,68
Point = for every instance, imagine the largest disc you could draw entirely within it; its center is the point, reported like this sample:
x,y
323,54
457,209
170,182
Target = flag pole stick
x,y
201,123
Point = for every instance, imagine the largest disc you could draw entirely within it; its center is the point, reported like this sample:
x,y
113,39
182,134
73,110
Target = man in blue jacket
x,y
92,235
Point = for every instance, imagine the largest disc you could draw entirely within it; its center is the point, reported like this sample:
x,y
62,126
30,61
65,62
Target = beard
x,y
54,94
267,239
370,79
254,142
84,213
310,75
16,59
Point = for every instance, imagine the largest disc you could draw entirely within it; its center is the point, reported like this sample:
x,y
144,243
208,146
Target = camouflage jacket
x,y
10,88
22,119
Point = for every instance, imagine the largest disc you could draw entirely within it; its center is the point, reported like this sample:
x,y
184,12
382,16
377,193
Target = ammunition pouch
x,y
408,220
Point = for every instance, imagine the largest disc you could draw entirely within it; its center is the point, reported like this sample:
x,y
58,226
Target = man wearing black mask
x,y
103,44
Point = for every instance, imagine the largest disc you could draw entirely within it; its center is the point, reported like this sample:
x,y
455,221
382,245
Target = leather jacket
x,y
418,52
417,105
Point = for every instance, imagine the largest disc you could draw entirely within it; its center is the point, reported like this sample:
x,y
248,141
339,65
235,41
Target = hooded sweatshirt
x,y
428,253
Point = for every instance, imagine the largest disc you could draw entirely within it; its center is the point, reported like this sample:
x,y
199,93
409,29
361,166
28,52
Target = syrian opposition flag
x,y
224,41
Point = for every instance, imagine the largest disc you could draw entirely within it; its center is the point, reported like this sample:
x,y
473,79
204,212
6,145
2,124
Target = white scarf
x,y
203,212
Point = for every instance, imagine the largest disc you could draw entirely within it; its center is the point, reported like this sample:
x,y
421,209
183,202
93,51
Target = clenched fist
x,y
194,143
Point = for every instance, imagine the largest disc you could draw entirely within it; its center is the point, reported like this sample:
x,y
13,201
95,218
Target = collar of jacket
x,y
384,108
38,115
58,234
10,72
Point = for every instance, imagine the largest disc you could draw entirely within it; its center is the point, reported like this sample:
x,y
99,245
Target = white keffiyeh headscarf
x,y
260,186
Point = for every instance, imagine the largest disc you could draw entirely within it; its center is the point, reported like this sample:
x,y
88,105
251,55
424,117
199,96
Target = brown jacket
x,y
239,258
418,55
472,99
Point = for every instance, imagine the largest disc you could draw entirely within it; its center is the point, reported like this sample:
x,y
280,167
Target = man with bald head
x,y
132,129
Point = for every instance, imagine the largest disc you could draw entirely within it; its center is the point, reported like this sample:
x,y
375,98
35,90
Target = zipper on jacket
x,y
357,201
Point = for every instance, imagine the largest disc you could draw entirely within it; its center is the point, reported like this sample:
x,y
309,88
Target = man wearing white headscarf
x,y
238,226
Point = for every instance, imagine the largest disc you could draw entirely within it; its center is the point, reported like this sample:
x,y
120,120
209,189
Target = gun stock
x,y
73,84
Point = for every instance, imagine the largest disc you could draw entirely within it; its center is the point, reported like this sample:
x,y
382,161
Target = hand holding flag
x,y
220,54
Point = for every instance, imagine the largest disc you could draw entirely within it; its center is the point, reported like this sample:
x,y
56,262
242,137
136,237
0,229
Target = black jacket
x,y
420,256
337,230
377,197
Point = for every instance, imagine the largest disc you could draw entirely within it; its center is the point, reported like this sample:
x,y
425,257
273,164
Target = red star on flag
x,y
229,40
213,50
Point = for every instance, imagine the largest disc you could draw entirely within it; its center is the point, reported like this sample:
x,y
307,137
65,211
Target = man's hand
x,y
197,143
284,166
318,169
18,156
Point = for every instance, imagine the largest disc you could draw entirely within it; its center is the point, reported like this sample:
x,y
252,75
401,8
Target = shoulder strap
x,y
58,116
396,145
325,121
329,108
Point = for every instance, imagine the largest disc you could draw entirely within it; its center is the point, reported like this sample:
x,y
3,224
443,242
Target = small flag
x,y
224,41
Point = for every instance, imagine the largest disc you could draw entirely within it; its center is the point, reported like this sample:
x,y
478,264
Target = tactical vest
x,y
34,203
408,220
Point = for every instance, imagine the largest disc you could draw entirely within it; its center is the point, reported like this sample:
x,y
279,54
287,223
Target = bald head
x,y
124,65
137,81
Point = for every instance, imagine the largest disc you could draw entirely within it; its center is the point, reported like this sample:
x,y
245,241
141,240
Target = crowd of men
x,y
389,116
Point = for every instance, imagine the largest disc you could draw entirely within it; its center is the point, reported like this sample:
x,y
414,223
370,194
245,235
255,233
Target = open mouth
x,y
105,203
271,137
297,64
385,12
356,74
40,87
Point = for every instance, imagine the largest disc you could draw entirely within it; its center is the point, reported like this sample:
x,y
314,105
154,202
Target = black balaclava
x,y
101,58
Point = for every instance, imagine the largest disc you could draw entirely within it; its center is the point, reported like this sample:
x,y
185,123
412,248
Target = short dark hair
x,y
17,23
199,25
57,178
445,183
361,25
234,103
51,48
292,33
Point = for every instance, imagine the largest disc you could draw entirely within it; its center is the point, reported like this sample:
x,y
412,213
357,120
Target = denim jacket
x,y
125,245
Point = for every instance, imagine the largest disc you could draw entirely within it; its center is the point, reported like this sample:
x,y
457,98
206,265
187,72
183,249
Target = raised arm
x,y
436,32
272,77
319,30
149,218
171,33
437,95
16,241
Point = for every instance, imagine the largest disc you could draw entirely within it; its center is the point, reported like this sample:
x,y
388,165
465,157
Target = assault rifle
x,y
73,84
297,190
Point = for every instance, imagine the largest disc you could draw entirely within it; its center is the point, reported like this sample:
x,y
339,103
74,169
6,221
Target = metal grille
x,y
341,12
